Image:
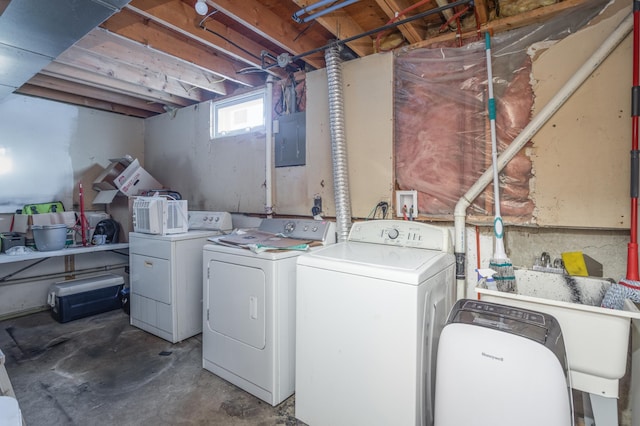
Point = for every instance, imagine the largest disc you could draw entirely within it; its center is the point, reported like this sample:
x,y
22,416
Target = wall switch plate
x,y
409,199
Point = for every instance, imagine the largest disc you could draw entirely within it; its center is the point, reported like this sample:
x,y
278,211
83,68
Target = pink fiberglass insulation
x,y
442,140
442,136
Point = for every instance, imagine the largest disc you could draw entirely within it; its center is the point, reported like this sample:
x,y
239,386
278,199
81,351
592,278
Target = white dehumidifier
x,y
499,365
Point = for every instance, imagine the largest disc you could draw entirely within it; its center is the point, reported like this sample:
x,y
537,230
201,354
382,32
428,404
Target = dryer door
x,y
236,302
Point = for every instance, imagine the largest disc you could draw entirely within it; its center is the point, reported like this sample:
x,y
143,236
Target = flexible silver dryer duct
x,y
338,143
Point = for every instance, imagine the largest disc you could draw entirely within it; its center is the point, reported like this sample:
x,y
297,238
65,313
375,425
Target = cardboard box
x,y
134,179
105,181
123,178
22,222
68,218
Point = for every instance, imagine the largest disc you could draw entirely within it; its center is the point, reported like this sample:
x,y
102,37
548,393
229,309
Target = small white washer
x,y
368,315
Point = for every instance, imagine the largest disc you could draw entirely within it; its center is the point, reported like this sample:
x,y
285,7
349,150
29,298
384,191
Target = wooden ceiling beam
x,y
80,89
135,27
411,30
182,18
535,16
124,50
280,30
77,75
340,24
107,67
79,98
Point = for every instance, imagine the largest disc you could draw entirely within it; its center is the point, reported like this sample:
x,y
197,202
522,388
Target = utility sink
x,y
596,338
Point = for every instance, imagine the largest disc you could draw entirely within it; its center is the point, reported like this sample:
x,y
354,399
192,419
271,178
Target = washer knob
x,y
393,233
289,227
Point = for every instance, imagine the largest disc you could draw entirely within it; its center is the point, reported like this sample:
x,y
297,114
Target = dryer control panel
x,y
301,229
402,233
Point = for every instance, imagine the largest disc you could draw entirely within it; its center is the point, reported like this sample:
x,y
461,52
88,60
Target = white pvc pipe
x,y
268,205
527,133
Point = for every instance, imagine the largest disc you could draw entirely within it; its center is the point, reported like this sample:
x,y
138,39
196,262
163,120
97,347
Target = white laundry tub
x,y
596,338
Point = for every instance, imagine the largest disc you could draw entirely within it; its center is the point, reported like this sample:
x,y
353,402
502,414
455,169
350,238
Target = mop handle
x,y
492,123
498,225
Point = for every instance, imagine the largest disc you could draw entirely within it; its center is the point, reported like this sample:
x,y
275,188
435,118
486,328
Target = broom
x,y
629,288
504,277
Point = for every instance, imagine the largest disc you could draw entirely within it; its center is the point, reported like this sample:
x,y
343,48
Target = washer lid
x,y
245,252
402,264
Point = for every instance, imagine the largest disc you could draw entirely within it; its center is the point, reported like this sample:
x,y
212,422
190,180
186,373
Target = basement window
x,y
238,115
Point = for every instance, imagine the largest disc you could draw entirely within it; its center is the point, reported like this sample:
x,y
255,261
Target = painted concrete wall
x,y
228,174
52,147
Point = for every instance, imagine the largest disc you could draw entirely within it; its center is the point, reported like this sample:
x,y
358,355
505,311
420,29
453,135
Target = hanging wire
x,y
231,42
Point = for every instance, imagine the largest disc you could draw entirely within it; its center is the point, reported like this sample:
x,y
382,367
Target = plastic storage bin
x,y
10,239
79,298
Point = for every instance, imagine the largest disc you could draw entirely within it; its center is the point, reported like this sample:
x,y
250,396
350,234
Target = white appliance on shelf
x,y
160,215
166,278
369,312
248,335
501,365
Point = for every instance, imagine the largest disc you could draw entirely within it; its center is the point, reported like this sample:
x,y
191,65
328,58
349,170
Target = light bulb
x,y
201,7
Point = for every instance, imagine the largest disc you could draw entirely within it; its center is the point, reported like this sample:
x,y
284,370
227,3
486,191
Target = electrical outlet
x,y
317,205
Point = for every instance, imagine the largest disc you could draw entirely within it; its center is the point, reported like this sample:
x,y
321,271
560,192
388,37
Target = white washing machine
x,y
500,365
248,335
368,315
166,277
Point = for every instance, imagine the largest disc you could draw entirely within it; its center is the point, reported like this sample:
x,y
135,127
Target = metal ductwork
x,y
338,142
35,32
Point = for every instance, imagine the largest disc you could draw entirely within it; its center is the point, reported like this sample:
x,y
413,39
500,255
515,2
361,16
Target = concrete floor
x,y
102,371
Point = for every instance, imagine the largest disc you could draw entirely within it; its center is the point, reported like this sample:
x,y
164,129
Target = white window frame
x,y
218,107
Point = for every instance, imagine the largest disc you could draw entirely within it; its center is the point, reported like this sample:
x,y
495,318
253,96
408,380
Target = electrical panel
x,y
290,140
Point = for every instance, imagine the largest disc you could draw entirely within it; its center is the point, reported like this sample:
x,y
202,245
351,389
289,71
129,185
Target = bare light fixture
x,y
201,7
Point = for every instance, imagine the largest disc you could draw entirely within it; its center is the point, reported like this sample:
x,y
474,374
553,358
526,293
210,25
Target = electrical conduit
x,y
268,205
338,143
520,141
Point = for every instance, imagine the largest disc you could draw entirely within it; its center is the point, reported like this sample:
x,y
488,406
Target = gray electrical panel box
x,y
290,142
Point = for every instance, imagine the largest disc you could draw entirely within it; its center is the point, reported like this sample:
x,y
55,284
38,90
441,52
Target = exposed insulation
x,y
442,138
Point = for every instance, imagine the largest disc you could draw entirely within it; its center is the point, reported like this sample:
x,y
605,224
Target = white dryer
x,y
248,333
368,315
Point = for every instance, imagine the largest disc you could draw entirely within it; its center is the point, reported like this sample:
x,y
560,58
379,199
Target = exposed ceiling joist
x,y
411,30
340,24
280,30
181,18
96,81
157,55
65,90
108,45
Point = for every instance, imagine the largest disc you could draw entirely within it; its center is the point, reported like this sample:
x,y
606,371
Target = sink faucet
x,y
545,260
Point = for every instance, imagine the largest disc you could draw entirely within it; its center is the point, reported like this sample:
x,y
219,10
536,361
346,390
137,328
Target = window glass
x,y
238,115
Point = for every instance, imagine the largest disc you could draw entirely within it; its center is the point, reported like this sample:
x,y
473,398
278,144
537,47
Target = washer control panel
x,y
210,221
301,229
404,233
